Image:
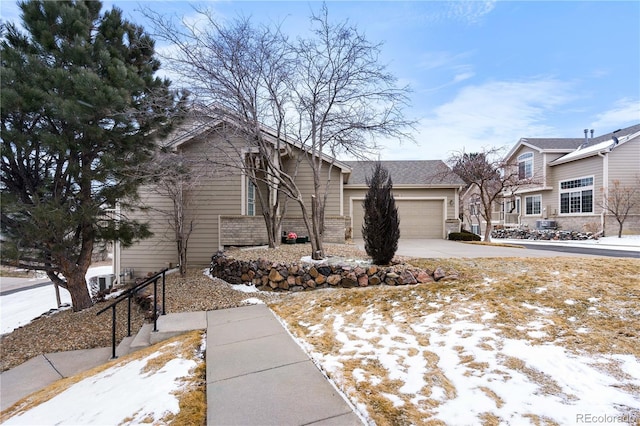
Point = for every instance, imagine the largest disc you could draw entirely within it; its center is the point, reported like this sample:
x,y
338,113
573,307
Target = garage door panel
x,y
418,218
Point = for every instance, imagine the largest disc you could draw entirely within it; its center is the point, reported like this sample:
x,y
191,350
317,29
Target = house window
x,y
475,228
576,196
513,206
251,199
525,165
532,204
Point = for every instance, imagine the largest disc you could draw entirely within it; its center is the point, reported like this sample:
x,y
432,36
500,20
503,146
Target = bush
x,y
464,236
381,227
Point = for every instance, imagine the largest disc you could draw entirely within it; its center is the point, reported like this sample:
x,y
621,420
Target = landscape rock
x,y
280,276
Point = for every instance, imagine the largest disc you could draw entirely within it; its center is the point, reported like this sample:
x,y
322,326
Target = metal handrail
x,y
128,294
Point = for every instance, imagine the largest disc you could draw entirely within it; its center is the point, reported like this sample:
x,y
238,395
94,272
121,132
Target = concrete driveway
x,y
446,249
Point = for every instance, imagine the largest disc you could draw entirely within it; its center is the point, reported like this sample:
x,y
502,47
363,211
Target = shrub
x,y
464,236
381,227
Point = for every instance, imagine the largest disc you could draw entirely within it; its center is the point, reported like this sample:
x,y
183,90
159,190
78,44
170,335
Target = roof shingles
x,y
425,172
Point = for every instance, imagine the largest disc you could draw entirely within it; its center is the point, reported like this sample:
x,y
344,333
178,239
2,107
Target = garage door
x,y
418,218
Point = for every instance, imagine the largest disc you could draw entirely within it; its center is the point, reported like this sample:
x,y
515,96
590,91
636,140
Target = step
x,y
142,339
125,346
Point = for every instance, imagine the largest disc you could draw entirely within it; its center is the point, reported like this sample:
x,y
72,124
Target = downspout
x,y
605,191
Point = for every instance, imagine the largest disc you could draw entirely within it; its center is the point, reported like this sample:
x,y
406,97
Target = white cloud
x,y
495,114
470,11
625,112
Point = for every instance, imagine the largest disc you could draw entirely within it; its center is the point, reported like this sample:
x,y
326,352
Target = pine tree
x,y
80,108
381,227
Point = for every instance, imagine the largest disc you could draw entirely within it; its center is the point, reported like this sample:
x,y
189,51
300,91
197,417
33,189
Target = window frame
x,y
533,211
524,159
577,194
251,198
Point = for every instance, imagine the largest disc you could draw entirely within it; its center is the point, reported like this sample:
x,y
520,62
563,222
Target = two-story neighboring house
x,y
571,179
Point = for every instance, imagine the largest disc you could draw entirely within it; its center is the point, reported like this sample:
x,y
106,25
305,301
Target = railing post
x,y
155,304
113,332
163,299
129,315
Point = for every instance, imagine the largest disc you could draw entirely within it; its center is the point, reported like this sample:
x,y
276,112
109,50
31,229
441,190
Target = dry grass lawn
x,y
586,307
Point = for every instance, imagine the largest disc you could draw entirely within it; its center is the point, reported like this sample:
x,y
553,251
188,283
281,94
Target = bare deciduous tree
x,y
487,172
619,200
238,73
327,93
344,98
174,176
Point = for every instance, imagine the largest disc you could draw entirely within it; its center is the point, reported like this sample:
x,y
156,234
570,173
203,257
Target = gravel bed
x,y
291,253
67,330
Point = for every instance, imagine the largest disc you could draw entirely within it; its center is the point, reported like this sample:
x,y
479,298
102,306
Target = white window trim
x,y
249,200
539,197
578,189
521,160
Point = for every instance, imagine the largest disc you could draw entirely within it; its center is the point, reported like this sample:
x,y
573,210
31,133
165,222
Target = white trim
x,y
341,196
539,196
577,189
518,161
243,194
605,180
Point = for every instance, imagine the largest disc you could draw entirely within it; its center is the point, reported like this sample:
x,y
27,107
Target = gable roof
x,y
567,145
607,145
200,124
424,172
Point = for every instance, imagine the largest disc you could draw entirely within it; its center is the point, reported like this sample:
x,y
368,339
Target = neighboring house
x,y
571,177
226,211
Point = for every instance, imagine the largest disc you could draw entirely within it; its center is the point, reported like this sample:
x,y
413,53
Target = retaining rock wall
x,y
535,234
266,275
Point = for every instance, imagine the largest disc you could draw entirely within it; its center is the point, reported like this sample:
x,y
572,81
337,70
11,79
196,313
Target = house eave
x,y
408,186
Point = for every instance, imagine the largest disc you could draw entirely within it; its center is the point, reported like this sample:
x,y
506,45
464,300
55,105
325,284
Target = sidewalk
x,y
256,373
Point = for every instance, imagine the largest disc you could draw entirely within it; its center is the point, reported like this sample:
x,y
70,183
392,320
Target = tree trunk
x,y
76,285
620,229
487,232
317,249
57,288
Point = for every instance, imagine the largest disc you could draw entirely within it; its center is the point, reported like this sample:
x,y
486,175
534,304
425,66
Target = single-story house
x,y
226,212
570,180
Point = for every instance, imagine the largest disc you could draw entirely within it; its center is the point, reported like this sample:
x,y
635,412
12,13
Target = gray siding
x,y
304,181
217,193
624,163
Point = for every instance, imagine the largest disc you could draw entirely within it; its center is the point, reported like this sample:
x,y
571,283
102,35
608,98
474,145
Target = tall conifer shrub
x,y
381,227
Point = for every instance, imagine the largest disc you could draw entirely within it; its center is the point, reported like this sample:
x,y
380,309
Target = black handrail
x,y
128,294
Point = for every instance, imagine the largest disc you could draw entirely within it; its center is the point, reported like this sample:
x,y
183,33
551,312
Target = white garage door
x,y
418,218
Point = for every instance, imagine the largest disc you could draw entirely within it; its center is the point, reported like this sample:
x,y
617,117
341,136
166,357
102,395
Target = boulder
x,y
407,278
424,277
334,279
363,280
275,276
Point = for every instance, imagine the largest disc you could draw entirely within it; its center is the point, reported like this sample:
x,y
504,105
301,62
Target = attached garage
x,y
419,218
426,194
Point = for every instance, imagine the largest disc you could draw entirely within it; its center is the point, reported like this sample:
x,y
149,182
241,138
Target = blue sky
x,y
483,74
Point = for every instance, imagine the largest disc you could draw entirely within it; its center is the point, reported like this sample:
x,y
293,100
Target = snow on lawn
x,y
626,242
22,307
519,342
143,390
463,372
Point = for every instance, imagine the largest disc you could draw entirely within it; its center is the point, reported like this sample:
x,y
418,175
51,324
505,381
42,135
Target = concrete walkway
x,y
256,373
442,249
